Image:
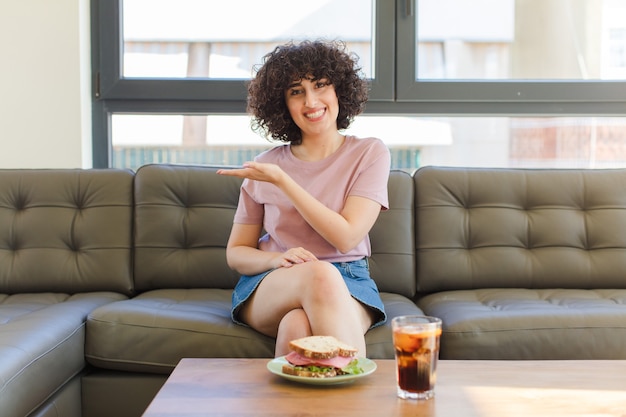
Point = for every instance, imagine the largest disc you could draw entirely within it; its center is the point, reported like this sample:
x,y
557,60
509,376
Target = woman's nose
x,y
310,99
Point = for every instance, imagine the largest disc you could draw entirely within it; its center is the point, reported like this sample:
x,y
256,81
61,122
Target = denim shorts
x,y
356,275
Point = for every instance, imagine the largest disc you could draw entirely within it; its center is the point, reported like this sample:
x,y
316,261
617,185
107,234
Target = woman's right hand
x,y
244,256
294,256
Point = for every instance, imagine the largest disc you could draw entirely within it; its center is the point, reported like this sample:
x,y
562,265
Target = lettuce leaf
x,y
315,368
353,368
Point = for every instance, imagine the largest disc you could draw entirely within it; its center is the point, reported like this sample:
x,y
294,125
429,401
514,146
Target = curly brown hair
x,y
287,63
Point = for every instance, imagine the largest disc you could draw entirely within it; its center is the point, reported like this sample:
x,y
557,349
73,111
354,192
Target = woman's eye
x,y
321,84
295,92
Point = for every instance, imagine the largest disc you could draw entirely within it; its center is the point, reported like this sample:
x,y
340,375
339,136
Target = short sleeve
x,y
373,175
249,211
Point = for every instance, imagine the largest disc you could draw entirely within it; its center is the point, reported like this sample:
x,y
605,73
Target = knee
x,y
325,285
325,278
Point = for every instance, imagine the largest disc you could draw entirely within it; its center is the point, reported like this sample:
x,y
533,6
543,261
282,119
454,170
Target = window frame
x,y
549,97
394,90
114,94
113,86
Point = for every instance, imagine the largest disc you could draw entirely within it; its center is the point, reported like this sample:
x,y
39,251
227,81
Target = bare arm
x,y
343,230
243,256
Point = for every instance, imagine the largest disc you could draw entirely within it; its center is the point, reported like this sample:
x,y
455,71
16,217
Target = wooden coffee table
x,y
244,387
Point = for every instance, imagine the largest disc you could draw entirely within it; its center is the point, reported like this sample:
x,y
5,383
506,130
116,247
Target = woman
x,y
316,198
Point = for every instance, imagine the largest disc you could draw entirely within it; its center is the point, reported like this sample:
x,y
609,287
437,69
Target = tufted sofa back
x,y
392,264
65,230
183,217
527,228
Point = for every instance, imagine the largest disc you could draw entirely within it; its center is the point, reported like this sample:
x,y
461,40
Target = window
x,y
205,41
510,56
488,82
515,40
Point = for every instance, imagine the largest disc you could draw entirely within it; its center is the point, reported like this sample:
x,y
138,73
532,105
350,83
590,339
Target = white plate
x,y
275,366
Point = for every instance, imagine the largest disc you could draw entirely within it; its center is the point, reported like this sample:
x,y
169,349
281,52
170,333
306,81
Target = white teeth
x,y
315,115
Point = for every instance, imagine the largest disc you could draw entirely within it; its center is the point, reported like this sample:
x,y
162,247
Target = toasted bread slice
x,y
321,347
301,371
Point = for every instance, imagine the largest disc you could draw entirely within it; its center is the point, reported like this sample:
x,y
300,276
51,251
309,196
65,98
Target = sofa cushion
x,y
392,264
379,339
183,218
153,331
184,215
42,339
530,324
65,230
520,228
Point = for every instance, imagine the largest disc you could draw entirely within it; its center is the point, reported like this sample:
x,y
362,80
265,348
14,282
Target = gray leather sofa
x,y
109,277
523,264
65,249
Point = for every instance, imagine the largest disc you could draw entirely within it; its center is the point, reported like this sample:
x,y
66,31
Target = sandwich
x,y
321,357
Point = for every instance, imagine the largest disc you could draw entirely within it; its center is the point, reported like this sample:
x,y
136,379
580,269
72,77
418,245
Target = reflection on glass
x,y
208,39
529,142
532,142
521,39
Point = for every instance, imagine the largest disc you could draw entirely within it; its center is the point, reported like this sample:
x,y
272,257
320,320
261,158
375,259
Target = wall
x,y
45,87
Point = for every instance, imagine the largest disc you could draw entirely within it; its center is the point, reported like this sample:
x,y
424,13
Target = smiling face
x,y
313,106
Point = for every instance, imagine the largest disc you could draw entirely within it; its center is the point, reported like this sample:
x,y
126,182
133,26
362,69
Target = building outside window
x,y
510,83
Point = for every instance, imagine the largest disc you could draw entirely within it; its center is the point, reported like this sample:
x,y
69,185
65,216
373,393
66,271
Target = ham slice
x,y
336,362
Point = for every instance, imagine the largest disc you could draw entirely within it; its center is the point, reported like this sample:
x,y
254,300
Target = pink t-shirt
x,y
360,167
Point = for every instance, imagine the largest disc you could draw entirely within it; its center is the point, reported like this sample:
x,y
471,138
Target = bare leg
x,y
294,325
318,289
